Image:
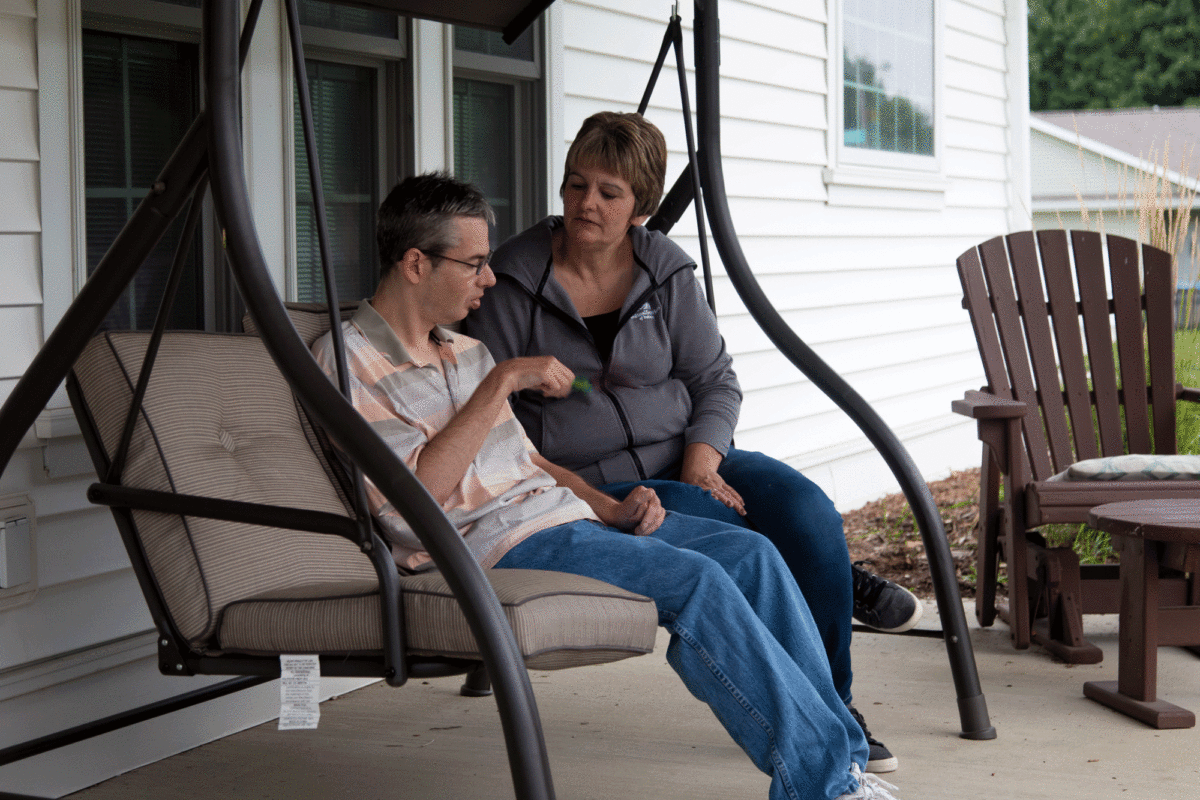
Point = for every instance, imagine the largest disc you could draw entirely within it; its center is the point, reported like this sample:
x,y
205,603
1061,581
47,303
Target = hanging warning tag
x,y
299,692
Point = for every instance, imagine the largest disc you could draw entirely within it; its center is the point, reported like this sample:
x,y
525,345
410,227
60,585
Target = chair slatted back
x,y
1097,335
1064,311
1035,312
1131,354
1160,331
1044,308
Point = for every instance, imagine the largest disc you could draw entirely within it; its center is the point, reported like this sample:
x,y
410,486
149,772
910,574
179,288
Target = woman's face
x,y
597,207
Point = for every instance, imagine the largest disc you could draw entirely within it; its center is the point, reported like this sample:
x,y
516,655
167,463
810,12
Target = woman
x,y
656,400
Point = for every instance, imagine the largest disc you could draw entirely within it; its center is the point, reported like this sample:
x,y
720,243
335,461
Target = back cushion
x,y
311,320
218,420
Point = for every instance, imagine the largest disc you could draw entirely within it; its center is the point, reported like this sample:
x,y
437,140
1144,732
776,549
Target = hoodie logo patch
x,y
645,312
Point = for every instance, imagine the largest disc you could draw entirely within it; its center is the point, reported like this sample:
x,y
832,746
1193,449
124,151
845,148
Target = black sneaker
x,y
883,605
879,759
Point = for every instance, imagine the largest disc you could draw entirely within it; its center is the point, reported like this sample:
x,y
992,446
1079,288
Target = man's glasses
x,y
477,267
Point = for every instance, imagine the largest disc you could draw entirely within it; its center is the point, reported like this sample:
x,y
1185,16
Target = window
x,y
884,105
353,96
141,91
496,128
140,96
349,20
884,95
887,75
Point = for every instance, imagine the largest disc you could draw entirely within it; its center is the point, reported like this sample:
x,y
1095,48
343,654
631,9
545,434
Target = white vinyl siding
x,y
85,592
20,293
869,281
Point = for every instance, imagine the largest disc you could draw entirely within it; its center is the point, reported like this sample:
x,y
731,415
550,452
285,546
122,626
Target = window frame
x,y
167,21
854,168
391,60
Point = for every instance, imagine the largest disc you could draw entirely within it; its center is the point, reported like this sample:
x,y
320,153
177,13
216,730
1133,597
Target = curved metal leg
x,y
971,703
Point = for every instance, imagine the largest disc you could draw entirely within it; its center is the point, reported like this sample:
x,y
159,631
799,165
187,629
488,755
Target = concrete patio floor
x,y
631,730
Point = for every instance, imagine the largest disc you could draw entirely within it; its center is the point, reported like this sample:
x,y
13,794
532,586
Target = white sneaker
x,y
870,787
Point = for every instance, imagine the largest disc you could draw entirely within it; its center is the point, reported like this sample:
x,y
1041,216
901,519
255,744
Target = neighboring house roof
x,y
1070,165
1105,160
1139,132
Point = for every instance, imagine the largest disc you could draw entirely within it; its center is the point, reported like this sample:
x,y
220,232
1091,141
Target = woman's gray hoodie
x,y
668,383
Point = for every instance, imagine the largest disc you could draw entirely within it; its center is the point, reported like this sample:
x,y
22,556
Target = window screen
x,y
345,18
473,40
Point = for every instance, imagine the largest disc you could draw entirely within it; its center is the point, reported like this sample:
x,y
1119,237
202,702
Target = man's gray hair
x,y
420,211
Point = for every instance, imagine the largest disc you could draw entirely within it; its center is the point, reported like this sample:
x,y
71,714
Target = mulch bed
x,y
884,534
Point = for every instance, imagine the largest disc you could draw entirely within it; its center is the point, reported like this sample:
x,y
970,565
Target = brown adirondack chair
x,y
1059,393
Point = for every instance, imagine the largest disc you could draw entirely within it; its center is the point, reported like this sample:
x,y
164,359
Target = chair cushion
x,y
311,320
1133,467
218,420
559,620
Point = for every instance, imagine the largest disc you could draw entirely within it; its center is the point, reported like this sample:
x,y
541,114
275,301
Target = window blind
x,y
140,96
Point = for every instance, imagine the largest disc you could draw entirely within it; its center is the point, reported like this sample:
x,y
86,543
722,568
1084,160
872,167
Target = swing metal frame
x,y
209,156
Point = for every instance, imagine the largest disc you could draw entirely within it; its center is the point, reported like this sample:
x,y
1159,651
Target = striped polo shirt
x,y
504,497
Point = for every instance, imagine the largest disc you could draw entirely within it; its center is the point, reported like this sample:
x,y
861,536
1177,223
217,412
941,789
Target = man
x,y
742,637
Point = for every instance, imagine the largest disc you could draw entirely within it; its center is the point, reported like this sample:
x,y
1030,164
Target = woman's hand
x,y
700,462
640,513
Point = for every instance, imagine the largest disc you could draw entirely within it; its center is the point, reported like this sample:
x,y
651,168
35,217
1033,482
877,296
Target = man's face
x,y
453,287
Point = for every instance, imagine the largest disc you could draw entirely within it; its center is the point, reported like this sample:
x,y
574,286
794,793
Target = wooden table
x,y
1145,529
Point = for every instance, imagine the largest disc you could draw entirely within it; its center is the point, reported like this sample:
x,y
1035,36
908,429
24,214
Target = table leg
x,y
1134,692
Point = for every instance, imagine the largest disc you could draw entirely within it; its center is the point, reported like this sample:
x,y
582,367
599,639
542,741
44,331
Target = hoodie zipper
x,y
637,462
612,398
541,300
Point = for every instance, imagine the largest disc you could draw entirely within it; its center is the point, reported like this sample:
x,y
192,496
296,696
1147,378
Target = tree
x,y
1113,53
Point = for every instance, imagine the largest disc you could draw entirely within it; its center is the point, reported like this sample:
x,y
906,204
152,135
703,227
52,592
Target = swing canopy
x,y
509,17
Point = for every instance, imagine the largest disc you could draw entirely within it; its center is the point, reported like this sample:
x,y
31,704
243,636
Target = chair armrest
x,y
982,405
299,519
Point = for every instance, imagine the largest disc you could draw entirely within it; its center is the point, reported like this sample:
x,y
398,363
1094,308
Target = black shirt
x,y
603,328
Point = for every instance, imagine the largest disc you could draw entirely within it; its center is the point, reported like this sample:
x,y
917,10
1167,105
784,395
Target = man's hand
x,y
700,462
545,374
640,512
445,458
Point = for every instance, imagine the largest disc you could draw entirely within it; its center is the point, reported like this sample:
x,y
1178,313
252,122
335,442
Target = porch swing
x,y
324,508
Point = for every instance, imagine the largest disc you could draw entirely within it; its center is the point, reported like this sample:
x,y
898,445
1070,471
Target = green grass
x,y
1094,546
1187,372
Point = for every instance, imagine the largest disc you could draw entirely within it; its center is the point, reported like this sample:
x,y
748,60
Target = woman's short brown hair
x,y
625,144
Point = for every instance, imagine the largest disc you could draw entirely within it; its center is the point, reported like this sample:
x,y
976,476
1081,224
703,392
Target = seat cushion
x,y
560,620
1133,467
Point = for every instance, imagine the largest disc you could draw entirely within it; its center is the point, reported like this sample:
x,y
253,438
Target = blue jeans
x,y
742,639
800,520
